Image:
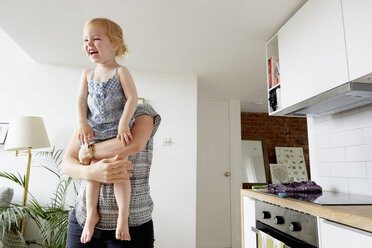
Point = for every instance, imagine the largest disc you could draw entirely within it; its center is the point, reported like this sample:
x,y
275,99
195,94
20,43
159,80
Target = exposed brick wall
x,y
277,131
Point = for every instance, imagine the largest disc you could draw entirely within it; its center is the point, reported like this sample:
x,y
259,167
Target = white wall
x,y
173,175
341,151
49,91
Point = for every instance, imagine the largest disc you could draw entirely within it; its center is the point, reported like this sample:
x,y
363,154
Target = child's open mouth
x,y
93,52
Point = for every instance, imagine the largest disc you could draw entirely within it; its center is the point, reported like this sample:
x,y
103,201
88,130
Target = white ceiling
x,y
220,41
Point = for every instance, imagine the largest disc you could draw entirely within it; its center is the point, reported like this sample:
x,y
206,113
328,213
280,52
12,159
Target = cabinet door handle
x,y
227,174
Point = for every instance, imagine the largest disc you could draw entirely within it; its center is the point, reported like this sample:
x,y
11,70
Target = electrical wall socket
x,y
166,141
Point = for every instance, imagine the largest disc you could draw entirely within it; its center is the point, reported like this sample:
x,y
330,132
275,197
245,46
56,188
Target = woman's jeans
x,y
141,236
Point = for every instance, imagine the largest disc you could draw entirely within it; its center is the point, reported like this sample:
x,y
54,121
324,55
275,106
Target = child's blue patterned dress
x,y
106,101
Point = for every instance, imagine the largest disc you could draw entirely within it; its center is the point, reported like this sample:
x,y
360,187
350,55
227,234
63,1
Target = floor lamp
x,y
24,134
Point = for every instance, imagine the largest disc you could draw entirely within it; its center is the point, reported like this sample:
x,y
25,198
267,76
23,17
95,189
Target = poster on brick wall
x,y
293,158
279,173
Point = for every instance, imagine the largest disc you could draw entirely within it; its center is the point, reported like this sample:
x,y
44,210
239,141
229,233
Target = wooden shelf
x,y
274,87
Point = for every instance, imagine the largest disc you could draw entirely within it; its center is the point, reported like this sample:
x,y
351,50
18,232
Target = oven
x,y
295,229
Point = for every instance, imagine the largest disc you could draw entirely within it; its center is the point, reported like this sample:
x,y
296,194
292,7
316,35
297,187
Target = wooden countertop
x,y
358,216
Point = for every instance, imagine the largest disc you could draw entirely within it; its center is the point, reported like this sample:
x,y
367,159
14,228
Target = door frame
x,y
234,122
235,167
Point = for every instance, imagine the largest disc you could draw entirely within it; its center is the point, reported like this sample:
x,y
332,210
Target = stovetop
x,y
330,198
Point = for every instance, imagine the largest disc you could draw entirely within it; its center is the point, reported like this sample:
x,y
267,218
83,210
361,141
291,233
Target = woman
x,y
107,167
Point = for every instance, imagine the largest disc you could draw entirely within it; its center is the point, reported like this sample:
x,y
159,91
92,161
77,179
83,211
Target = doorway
x,y
218,202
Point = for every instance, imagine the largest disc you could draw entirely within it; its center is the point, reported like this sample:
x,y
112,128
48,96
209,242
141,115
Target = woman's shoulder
x,y
147,109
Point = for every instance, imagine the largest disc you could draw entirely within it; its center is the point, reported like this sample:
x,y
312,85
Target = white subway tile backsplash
x,y
369,169
347,138
330,155
360,186
367,134
323,170
327,127
341,151
320,119
352,121
367,118
321,141
359,153
333,184
349,169
357,120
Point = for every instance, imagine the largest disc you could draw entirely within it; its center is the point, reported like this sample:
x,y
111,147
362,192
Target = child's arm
x,y
110,170
85,132
126,81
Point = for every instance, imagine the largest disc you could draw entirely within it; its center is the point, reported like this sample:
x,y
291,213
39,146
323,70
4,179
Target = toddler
x,y
107,100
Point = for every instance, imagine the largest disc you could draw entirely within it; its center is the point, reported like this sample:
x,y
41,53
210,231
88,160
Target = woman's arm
x,y
141,131
111,170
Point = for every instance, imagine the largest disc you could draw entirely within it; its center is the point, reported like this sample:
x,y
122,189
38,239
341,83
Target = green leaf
x,y
12,177
55,173
51,218
10,217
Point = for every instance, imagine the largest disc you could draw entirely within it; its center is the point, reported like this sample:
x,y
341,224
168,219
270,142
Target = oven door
x,y
277,237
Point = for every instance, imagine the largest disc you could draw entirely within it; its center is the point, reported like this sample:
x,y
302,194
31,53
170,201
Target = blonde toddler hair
x,y
113,31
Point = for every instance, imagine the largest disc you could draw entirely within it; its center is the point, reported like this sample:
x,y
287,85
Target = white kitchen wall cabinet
x,y
336,235
248,221
325,44
312,53
358,35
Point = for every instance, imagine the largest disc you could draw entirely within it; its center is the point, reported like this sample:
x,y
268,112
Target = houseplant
x,y
51,218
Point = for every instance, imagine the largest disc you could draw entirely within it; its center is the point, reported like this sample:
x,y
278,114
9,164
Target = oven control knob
x,y
265,215
295,226
278,220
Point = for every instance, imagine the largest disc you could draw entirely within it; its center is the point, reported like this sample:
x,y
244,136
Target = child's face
x,y
98,45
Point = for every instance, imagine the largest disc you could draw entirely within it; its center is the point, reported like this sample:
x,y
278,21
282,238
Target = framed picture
x,y
279,173
3,132
141,101
293,158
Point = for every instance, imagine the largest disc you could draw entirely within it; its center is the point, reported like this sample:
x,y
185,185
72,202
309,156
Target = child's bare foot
x,y
122,229
88,230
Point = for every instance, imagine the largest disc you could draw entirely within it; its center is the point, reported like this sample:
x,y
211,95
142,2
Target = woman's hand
x,y
110,170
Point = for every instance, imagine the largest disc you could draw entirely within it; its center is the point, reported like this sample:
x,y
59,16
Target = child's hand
x,y
85,133
124,134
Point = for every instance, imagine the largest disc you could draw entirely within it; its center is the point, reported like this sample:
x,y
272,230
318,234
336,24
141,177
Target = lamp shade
x,y
26,132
